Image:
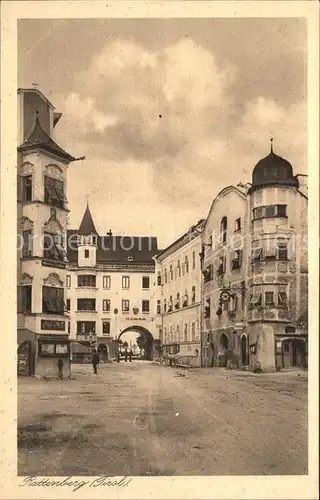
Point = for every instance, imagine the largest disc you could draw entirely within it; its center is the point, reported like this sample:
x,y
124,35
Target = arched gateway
x,y
148,342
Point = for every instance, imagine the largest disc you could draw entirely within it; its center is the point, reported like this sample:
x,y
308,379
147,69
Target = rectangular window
x,y
54,192
255,300
27,241
126,282
86,327
282,299
186,264
145,282
68,281
145,306
106,281
86,304
86,254
207,311
159,279
125,306
52,247
193,332
27,188
282,247
68,305
268,298
282,210
256,254
87,281
158,306
165,306
270,211
237,224
193,260
52,300
236,261
178,269
165,276
222,266
106,328
25,299
185,332
208,273
171,272
106,305
193,295
269,250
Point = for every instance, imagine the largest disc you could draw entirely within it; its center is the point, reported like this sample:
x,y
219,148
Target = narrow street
x,y
143,419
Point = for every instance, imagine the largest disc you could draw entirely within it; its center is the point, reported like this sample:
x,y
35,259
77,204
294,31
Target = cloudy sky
x,y
167,112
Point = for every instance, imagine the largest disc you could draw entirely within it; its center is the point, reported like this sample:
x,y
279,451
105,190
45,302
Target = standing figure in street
x,y
130,355
60,368
95,361
126,355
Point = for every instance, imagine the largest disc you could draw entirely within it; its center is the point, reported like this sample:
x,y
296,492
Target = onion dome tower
x,y
272,171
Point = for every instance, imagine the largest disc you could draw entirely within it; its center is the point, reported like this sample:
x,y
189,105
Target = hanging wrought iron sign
x,y
225,297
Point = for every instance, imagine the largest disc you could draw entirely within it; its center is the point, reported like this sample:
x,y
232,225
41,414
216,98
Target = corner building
x,y
179,297
256,284
41,256
110,287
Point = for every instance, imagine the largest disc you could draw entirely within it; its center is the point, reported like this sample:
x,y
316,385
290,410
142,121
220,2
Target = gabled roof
x,y
39,138
87,225
129,250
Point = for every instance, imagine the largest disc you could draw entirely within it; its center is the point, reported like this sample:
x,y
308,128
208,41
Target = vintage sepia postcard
x,y
159,250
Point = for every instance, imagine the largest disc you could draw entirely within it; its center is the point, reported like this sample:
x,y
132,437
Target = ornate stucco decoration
x,y
26,224
27,168
54,171
53,280
52,225
26,279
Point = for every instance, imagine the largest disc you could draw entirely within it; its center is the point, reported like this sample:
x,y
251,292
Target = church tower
x,y
87,241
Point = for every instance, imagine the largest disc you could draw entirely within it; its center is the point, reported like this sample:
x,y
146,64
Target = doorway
x,y
244,350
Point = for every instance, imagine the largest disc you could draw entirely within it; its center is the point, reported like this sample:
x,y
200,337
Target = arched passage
x,y
145,340
103,352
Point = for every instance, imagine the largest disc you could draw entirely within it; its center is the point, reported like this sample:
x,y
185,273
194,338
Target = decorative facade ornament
x,y
27,168
26,224
53,280
53,226
54,171
26,279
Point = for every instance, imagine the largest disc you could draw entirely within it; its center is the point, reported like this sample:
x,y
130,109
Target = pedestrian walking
x,y
126,355
130,355
60,368
95,361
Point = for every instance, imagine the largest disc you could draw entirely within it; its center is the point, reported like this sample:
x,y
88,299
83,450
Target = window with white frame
x,y
68,281
269,299
106,305
145,306
171,272
186,264
185,332
267,211
193,295
193,332
236,261
125,306
193,260
106,282
237,224
255,300
145,282
256,254
106,328
126,282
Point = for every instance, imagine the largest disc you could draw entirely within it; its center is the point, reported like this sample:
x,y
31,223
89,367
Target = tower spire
x,y
271,144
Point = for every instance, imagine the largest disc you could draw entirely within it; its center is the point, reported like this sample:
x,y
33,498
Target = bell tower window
x,y
86,254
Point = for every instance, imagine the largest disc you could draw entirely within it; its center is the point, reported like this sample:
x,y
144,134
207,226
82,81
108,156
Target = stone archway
x,y
147,342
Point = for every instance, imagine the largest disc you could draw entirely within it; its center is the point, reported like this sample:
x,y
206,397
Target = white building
x,y
110,286
42,212
179,296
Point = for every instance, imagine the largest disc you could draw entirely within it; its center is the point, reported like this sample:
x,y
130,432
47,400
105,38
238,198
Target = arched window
x,y
223,229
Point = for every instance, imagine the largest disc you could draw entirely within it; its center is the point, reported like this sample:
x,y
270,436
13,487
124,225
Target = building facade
x,y
179,297
41,256
255,271
110,287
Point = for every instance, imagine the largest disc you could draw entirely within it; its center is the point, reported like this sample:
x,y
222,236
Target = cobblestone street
x,y
145,419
